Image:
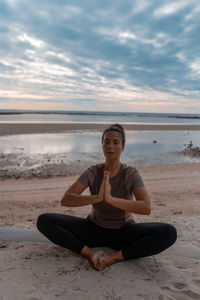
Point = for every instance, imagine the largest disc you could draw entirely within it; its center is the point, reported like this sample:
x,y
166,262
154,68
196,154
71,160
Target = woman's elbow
x,y
148,210
64,200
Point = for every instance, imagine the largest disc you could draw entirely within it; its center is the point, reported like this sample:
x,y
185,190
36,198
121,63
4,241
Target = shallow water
x,y
101,117
143,147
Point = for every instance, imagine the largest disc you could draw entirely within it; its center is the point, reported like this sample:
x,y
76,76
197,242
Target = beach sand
x,y
28,128
33,270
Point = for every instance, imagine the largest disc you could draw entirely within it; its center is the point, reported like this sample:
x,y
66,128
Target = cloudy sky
x,y
136,56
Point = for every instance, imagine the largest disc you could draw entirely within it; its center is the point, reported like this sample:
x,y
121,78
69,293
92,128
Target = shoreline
x,y
31,128
21,164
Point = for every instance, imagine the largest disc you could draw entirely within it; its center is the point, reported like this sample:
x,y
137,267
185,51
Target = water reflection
x,y
50,143
149,142
138,143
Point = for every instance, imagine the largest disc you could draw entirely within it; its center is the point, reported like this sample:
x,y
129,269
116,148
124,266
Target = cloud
x,y
172,8
33,41
100,53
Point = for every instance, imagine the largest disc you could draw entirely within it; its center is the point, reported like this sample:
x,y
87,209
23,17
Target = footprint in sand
x,y
159,203
189,294
180,290
180,285
197,282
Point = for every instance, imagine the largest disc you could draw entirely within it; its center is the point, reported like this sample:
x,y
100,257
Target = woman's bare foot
x,y
95,259
92,256
100,260
109,259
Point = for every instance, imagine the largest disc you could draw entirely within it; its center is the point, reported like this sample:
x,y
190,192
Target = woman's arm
x,y
139,206
73,197
142,204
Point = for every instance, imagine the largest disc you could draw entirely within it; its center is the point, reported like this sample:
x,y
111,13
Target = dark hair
x,y
115,127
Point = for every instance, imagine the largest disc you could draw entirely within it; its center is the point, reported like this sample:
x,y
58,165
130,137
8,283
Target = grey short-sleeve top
x,y
122,186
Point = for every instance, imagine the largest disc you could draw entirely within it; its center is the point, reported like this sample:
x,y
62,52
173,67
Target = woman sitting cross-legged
x,y
116,191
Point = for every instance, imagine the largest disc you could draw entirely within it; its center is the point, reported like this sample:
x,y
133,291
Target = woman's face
x,y
112,145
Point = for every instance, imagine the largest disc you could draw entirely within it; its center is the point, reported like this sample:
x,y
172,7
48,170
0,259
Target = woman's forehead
x,y
112,135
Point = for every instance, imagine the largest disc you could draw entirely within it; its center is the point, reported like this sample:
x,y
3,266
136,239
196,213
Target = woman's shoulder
x,y
89,175
132,176
95,169
128,169
96,166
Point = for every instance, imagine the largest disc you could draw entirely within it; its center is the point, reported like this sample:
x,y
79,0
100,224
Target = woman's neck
x,y
112,166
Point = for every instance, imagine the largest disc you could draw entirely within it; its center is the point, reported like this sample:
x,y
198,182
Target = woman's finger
x,y
106,174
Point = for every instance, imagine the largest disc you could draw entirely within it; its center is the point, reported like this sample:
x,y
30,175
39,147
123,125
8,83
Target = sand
x,y
33,270
28,128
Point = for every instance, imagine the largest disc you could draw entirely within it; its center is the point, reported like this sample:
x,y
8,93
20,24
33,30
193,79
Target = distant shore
x,y
99,113
30,128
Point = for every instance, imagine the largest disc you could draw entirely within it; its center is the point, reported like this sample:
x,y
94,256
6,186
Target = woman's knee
x,y
43,220
170,233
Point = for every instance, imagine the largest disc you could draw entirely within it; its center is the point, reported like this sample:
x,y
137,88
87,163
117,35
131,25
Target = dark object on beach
x,y
190,146
191,150
154,141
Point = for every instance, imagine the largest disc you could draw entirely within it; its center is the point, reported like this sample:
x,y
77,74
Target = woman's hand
x,y
107,190
100,196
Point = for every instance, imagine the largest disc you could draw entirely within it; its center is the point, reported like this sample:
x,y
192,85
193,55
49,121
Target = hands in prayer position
x,y
105,189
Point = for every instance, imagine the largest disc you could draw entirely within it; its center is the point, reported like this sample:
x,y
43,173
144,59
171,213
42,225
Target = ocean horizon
x,y
74,116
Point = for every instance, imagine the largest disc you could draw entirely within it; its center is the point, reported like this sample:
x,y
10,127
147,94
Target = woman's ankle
x,y
117,256
87,252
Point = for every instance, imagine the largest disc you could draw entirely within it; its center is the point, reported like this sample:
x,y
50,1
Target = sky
x,y
130,56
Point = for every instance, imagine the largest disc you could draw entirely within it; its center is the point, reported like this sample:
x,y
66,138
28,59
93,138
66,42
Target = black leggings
x,y
134,239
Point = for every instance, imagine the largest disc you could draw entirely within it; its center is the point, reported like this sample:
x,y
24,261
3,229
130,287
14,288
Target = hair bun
x,y
116,127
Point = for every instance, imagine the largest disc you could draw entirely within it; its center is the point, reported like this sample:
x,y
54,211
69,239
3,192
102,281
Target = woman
x,y
112,185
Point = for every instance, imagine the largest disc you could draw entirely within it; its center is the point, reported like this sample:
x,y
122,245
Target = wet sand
x,y
28,128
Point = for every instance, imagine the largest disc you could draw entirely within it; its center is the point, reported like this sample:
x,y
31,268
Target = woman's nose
x,y
110,146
